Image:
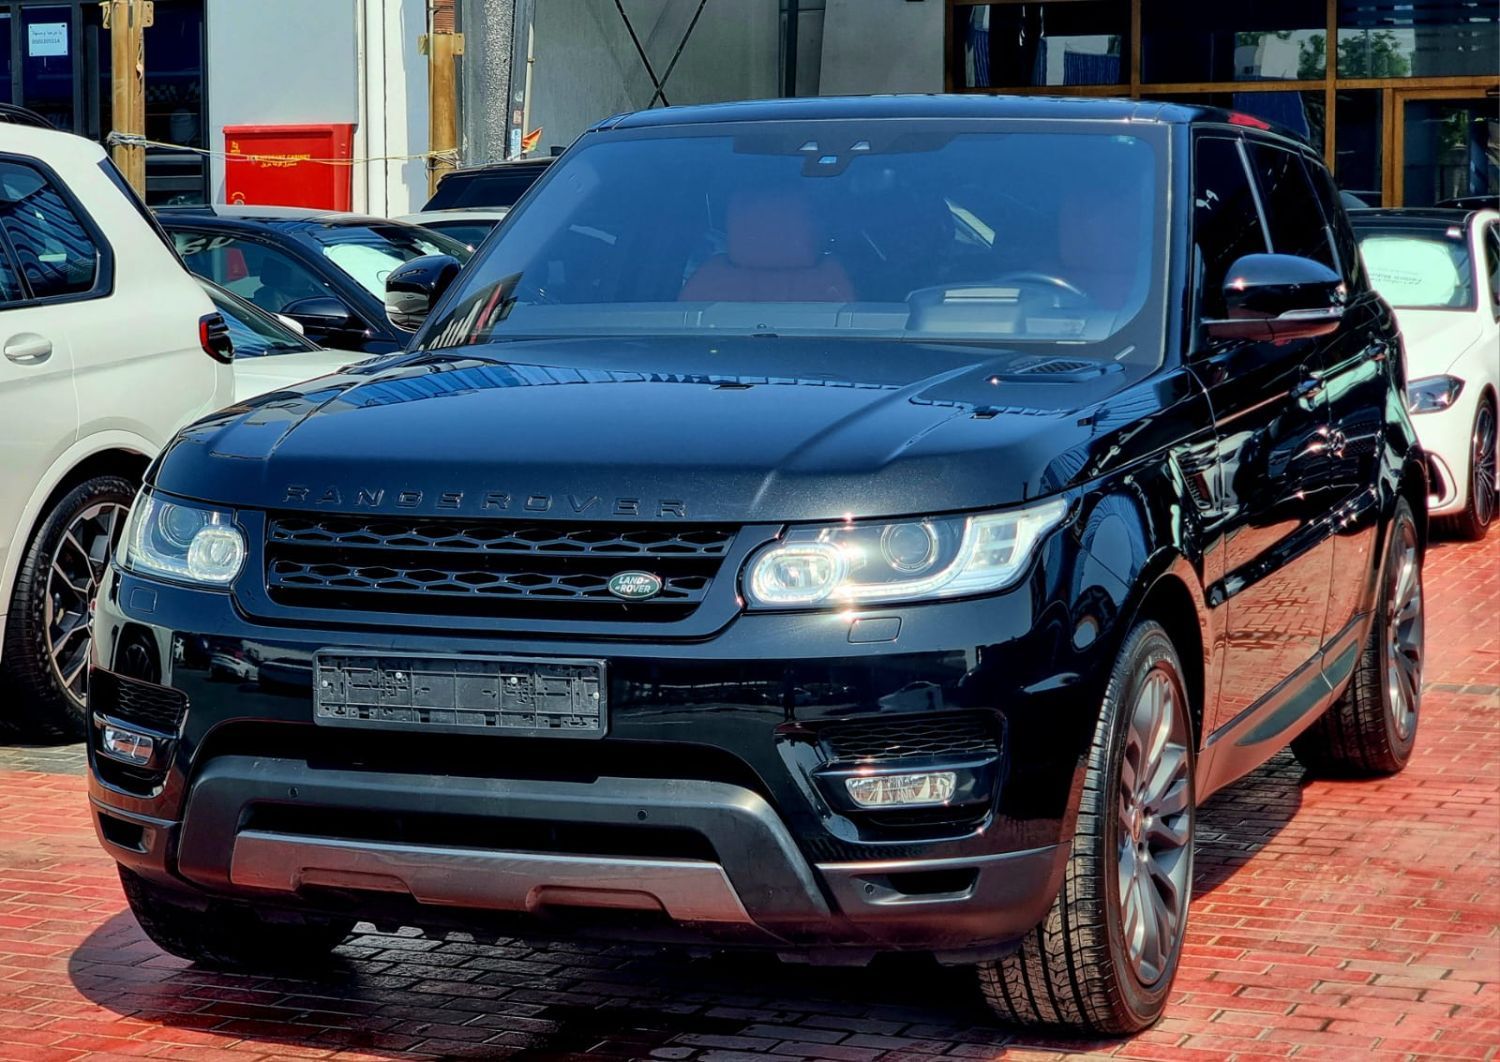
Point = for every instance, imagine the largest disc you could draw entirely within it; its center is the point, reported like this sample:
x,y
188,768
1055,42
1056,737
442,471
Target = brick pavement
x,y
1330,920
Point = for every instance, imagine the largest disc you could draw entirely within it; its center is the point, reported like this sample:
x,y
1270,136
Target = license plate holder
x,y
508,696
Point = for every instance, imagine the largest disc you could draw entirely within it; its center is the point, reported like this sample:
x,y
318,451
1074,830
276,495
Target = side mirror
x,y
1279,296
413,289
320,316
292,323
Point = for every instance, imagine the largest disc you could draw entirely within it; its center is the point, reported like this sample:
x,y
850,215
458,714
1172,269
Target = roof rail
x,y
15,115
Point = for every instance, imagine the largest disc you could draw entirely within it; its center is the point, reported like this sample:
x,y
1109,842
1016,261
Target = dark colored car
x,y
326,271
828,526
501,184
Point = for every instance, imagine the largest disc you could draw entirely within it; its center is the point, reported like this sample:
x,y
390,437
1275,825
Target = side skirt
x,y
1266,727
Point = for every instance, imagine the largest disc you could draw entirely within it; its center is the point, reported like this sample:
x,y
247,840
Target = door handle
x,y
28,348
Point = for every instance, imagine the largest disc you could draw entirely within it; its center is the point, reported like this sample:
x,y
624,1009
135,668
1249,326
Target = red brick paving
x,y
1331,920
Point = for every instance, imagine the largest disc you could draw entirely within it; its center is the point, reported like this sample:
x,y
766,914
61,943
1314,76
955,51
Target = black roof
x,y
814,108
249,212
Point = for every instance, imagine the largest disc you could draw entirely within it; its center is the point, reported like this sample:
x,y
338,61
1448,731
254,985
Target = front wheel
x,y
1372,728
1474,522
1104,958
52,617
232,937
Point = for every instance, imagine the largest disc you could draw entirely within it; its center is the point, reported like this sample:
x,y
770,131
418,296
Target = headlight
x,y
175,540
1432,393
905,560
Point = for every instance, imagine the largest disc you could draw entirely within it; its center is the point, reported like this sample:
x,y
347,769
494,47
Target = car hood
x,y
745,430
1436,338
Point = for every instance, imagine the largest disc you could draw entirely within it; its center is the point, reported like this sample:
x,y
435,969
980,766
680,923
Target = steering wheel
x,y
1031,277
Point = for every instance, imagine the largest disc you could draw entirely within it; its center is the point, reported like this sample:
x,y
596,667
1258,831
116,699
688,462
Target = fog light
x,y
902,790
127,745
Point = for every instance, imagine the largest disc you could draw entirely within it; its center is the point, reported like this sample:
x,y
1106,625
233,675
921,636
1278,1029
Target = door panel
x,y
1272,428
38,410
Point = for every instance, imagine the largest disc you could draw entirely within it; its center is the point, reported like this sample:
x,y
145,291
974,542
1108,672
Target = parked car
x,y
1440,269
886,553
108,348
325,271
497,186
270,352
1471,202
468,227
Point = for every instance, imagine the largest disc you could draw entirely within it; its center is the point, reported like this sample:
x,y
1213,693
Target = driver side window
x,y
1226,220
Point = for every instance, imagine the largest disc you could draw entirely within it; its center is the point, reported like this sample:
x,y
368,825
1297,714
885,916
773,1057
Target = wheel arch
x,y
1170,602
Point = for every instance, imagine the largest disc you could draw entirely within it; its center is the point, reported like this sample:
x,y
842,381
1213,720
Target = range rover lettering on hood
x,y
490,502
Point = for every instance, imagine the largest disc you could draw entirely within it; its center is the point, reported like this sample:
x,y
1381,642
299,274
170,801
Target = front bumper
x,y
703,815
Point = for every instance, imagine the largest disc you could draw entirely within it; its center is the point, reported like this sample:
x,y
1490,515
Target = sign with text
x,y
46,40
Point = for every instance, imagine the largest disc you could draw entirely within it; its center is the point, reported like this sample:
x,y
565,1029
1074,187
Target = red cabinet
x,y
289,165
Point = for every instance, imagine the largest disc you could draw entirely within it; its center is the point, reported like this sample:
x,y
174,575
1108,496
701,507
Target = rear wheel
x,y
1474,522
1372,728
1104,958
229,936
52,618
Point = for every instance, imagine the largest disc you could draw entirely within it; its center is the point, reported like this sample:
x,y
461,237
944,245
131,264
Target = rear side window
x,y
52,246
1226,223
1492,260
1291,206
1338,222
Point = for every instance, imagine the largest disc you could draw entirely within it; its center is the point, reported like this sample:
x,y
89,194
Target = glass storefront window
x,y
1418,38
1452,149
1358,153
1187,41
1066,42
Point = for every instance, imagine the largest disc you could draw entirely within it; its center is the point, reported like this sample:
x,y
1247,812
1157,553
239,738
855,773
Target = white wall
x,y
882,46
292,62
278,62
586,68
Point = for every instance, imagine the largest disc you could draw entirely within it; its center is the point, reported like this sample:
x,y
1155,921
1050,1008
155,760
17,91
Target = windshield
x,y
368,253
254,334
1420,270
1006,232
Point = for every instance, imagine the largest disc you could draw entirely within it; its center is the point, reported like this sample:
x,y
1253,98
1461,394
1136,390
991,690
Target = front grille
x,y
488,568
883,742
158,708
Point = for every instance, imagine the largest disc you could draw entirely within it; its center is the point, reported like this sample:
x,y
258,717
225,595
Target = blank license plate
x,y
511,695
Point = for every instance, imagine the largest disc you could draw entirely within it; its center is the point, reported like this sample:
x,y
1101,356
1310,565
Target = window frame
x,y
1236,136
1489,244
1297,151
289,253
104,253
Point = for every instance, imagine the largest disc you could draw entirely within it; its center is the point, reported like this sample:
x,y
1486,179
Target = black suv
x,y
827,526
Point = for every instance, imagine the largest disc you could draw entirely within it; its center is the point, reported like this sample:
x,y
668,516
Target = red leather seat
x,y
772,256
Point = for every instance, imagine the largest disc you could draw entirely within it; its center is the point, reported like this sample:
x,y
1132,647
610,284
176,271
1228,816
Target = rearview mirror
x,y
319,316
413,289
1279,296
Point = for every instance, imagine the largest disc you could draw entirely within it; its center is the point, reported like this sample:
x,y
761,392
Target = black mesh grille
x,y
129,700
881,742
495,568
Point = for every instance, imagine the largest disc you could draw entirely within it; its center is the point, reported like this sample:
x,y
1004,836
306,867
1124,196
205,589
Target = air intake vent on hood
x,y
1064,369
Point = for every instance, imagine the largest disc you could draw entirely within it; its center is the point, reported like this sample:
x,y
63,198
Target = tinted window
x,y
1337,221
368,253
1226,224
10,281
1291,206
55,251
254,334
835,228
469,233
269,278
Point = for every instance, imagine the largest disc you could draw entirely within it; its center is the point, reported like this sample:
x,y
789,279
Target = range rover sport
x,y
826,526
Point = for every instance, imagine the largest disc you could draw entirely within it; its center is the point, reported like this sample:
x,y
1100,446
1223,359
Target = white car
x,y
107,347
1440,270
270,351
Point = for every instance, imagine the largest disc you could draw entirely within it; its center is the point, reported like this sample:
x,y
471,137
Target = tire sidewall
x,y
1400,748
26,634
1147,648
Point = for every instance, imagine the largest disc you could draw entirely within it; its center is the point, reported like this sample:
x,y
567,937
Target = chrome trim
x,y
687,890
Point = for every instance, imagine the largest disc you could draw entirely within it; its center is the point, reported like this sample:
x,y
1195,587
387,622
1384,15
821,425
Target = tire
x,y
1372,728
230,936
1474,522
51,619
1089,965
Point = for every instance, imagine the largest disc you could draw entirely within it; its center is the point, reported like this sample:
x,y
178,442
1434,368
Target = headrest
x,y
770,230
